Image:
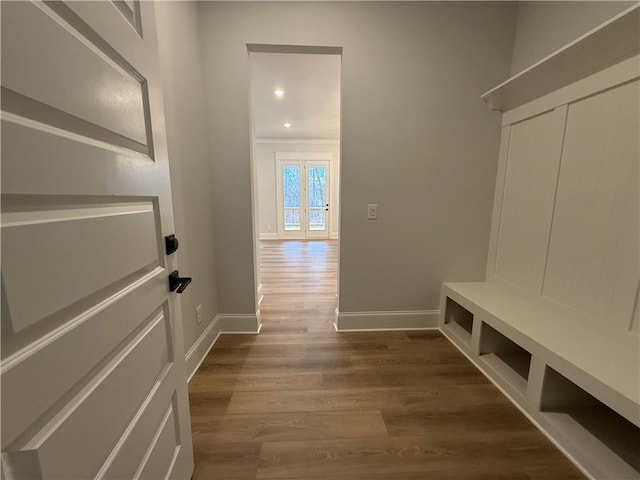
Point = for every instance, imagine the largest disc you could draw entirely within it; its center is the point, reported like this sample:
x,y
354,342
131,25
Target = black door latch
x,y
178,284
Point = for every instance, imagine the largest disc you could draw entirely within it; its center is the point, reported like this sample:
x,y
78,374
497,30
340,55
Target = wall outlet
x,y
372,211
199,314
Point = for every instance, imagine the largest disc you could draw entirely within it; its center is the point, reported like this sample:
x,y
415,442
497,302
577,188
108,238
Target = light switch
x,y
372,211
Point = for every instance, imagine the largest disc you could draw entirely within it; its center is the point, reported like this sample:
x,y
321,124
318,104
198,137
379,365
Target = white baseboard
x,y
274,236
221,324
232,323
382,321
201,347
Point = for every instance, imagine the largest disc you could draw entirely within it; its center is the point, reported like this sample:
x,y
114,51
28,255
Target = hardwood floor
x,y
300,401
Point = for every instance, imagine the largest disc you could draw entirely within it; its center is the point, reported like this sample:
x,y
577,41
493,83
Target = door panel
x,y
132,454
92,336
163,448
44,242
317,222
89,88
135,371
93,376
292,197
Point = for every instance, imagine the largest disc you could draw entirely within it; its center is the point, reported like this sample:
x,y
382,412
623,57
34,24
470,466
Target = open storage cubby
x,y
458,319
492,342
561,396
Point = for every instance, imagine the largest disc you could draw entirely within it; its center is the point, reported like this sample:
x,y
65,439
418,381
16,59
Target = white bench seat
x,y
539,347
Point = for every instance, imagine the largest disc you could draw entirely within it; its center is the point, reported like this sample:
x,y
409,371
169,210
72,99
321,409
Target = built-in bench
x,y
579,383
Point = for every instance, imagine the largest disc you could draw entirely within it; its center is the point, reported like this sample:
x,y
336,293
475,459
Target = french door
x,y
303,198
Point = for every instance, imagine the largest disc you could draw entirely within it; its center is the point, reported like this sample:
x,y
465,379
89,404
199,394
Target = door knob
x,y
178,284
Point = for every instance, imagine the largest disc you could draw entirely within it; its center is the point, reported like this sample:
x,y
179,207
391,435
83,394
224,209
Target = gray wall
x,y
189,160
544,27
416,139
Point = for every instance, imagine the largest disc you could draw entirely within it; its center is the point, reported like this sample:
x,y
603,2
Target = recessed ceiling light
x,y
287,125
278,93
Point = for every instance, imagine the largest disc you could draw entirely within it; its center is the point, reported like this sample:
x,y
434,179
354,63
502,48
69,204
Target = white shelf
x,y
611,42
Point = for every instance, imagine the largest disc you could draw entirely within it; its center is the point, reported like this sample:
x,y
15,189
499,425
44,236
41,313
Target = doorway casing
x,y
291,49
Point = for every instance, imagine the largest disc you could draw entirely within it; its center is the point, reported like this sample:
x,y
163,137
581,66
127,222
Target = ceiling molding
x,y
320,141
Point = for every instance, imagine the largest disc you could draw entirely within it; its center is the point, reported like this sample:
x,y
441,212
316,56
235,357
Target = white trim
x,y
260,295
268,236
320,141
304,156
622,72
334,236
386,321
498,196
612,40
234,323
200,349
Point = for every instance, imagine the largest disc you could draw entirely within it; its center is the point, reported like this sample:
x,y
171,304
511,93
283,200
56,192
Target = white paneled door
x,y
92,374
303,198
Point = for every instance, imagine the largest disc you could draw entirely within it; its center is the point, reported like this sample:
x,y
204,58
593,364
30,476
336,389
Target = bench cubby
x,y
508,360
586,420
459,321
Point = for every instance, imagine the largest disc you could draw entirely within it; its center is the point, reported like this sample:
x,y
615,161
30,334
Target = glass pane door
x,y
317,199
318,205
303,198
292,198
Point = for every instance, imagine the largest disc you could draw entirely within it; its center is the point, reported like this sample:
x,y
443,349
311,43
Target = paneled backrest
x,y
565,228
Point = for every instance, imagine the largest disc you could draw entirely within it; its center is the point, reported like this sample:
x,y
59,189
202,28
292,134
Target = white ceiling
x,y
311,102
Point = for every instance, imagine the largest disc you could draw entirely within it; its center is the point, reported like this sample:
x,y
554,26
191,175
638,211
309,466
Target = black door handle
x,y
178,284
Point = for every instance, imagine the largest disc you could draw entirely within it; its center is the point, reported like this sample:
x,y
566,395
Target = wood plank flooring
x,y
300,401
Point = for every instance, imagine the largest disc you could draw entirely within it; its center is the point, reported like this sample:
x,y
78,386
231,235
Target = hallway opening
x,y
295,166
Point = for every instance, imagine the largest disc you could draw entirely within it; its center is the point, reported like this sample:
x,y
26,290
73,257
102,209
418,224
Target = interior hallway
x,y
299,284
300,401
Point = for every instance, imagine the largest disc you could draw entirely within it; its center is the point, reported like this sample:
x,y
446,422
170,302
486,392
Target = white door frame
x,y
303,159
